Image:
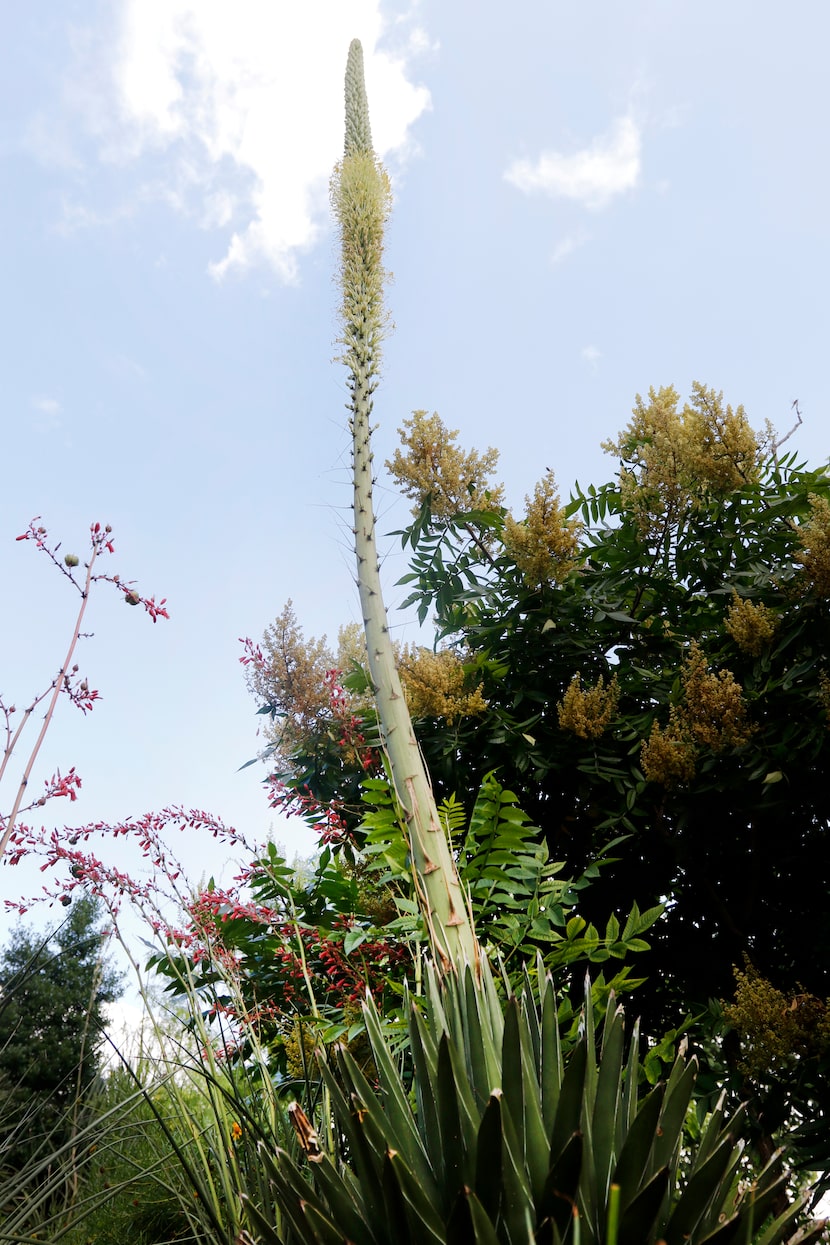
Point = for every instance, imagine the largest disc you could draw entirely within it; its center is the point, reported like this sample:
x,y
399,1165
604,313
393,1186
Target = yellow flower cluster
x,y
719,449
668,755
751,626
434,685
588,714
292,677
545,546
714,715
715,705
300,1046
776,1029
672,458
814,536
432,465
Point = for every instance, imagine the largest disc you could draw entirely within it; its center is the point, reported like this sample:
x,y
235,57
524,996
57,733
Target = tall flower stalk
x,y
362,199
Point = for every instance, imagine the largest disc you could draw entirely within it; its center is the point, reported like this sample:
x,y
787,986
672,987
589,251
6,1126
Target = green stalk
x,y
613,1225
361,198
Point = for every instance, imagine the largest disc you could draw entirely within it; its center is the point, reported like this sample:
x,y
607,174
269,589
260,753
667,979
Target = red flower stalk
x,y
67,680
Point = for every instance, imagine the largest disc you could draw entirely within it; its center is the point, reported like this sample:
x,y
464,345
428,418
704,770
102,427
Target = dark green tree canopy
x,y
53,992
653,657
671,684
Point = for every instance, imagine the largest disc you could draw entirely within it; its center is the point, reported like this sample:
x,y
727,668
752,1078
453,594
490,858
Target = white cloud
x,y
610,166
47,406
591,355
242,104
77,215
567,245
47,416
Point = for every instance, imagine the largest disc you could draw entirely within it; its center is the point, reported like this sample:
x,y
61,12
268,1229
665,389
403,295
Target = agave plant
x,y
491,1136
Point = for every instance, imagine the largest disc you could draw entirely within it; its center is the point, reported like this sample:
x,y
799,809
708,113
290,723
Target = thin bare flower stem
x,y
21,726
56,691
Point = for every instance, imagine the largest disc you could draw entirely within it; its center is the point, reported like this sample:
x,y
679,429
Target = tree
x,y
53,991
652,655
664,677
652,659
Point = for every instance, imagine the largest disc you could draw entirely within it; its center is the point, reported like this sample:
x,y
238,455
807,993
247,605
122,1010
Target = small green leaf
x,y
353,939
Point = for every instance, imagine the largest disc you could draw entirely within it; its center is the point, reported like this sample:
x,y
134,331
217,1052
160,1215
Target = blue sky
x,y
590,199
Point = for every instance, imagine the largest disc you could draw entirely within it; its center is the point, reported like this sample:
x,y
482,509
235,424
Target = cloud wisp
x,y
48,414
566,246
235,112
608,167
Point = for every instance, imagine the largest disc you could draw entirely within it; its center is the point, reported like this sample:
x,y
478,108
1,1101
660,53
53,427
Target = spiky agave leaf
x,y
452,1146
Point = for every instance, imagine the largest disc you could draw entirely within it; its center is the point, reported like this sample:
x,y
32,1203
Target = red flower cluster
x,y
351,736
66,784
252,957
79,692
324,817
74,866
67,681
367,968
253,653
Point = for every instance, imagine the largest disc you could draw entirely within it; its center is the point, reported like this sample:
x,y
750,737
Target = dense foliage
x,y
54,990
289,964
652,662
668,680
652,658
